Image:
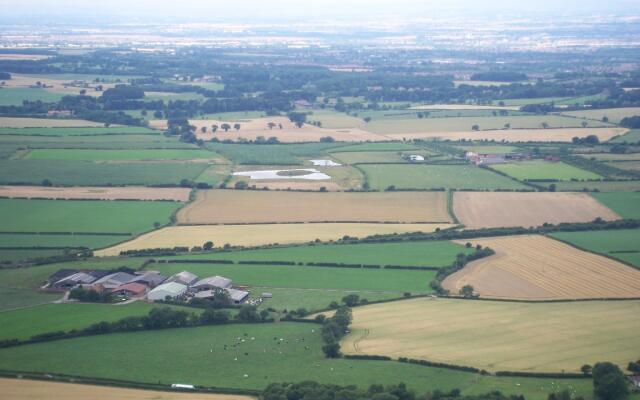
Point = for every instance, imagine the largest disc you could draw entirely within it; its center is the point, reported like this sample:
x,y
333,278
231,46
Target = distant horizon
x,y
255,11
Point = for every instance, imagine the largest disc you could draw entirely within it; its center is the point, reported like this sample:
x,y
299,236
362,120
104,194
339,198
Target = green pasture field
x,y
427,176
313,299
114,130
356,157
19,215
292,352
19,255
612,157
48,240
25,323
626,165
335,120
119,155
302,277
234,116
272,154
633,136
538,100
15,96
539,169
65,172
170,96
462,124
378,146
621,244
626,205
104,78
95,142
425,253
214,174
601,186
615,115
491,149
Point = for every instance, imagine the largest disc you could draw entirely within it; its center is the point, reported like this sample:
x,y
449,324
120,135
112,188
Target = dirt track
x,y
535,267
234,206
506,209
97,193
22,389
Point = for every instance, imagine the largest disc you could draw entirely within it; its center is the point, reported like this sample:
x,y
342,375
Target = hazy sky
x,y
252,10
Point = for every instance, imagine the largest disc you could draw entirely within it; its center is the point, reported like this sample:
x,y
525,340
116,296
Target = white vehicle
x,y
182,386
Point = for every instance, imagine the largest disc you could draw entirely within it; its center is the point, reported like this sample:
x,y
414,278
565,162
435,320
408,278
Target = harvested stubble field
x,y
478,210
96,193
516,135
499,336
22,389
235,206
535,267
253,128
14,122
258,235
429,176
613,114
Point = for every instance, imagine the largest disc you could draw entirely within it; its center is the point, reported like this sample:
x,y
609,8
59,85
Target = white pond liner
x,y
325,163
313,174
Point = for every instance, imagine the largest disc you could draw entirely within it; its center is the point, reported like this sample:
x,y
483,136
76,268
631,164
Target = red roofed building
x,y
132,289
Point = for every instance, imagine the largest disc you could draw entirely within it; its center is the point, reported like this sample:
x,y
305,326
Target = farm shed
x,y
635,380
184,277
61,274
237,296
131,289
79,278
170,289
211,283
112,281
151,279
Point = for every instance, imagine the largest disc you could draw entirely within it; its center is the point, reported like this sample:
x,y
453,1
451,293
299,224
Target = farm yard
x,y
476,210
539,268
260,234
233,207
430,176
498,336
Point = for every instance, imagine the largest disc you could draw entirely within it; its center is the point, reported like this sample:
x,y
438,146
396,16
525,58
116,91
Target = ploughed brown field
x,y
252,128
517,135
534,267
506,209
236,206
97,193
22,389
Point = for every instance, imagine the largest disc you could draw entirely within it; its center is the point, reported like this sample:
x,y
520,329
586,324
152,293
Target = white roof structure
x,y
171,289
325,163
184,277
213,282
237,296
112,281
75,279
416,157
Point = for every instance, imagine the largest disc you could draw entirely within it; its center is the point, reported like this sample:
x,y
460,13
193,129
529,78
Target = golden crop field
x,y
243,206
252,128
257,235
22,389
499,336
517,135
535,267
487,209
11,122
98,193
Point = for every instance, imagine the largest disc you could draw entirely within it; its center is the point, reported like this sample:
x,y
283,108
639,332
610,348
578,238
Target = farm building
x,y
212,283
635,380
170,289
184,278
236,296
151,279
79,278
131,289
415,158
60,274
112,281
